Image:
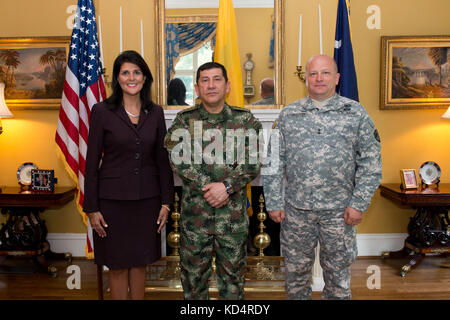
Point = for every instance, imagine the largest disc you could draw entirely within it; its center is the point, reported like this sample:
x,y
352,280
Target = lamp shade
x,y
446,115
4,111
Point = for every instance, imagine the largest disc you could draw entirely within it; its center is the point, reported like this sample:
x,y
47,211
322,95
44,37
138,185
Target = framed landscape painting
x,y
33,70
415,72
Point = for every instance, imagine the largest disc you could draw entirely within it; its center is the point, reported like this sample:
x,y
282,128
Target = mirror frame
x,y
278,63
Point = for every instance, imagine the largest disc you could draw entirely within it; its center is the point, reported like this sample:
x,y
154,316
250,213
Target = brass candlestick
x,y
172,270
300,73
262,241
173,239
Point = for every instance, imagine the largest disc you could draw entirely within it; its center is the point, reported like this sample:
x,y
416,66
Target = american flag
x,y
83,87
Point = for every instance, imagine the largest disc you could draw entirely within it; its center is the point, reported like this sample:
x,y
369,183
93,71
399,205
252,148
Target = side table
x,y
24,233
428,230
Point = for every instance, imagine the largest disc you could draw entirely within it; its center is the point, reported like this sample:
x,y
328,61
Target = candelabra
x,y
300,73
106,77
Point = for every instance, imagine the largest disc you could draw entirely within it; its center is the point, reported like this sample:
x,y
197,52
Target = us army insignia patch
x,y
376,135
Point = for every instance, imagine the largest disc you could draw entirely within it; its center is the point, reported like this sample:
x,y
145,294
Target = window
x,y
187,66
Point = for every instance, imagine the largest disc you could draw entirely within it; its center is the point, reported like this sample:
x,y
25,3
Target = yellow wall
x,y
409,137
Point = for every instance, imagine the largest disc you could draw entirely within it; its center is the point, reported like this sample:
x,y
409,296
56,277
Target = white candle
x,y
320,30
300,42
142,39
100,38
120,25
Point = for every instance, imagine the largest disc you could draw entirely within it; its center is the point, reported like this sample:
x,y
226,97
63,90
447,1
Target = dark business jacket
x,y
124,162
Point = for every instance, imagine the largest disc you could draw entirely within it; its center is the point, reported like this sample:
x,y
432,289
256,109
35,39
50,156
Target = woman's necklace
x,y
130,114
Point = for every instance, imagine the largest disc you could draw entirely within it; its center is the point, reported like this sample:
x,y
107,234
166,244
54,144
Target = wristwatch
x,y
227,186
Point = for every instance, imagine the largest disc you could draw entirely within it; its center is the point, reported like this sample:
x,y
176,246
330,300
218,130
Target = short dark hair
x,y
131,56
211,65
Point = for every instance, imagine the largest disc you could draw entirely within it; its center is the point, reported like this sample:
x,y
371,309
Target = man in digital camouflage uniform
x,y
328,150
209,151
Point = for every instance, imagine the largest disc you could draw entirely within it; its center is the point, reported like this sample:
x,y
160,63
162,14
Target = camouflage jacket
x,y
330,157
205,148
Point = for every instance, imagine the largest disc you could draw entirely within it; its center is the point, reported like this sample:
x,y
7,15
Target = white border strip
x,y
369,244
73,243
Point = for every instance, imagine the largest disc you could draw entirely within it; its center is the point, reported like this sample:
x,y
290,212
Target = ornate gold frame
x,y
278,63
35,43
387,45
405,185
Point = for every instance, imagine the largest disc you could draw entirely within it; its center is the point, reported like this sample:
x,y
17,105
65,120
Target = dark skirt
x,y
131,238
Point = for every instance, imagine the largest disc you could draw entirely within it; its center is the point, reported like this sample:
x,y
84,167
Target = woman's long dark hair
x,y
146,94
176,92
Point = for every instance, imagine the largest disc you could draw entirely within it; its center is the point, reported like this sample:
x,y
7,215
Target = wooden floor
x,y
430,280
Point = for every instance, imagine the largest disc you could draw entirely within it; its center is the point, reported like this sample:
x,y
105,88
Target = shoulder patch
x,y
188,109
376,135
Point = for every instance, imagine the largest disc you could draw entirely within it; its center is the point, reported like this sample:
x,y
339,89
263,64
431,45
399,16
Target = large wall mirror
x,y
186,39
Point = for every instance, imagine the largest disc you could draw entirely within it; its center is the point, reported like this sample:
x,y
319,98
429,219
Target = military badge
x,y
377,136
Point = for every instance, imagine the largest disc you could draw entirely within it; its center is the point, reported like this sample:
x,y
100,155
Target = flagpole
x,y
100,38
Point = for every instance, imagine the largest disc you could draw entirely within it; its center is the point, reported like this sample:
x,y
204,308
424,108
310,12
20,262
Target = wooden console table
x,y
428,230
22,209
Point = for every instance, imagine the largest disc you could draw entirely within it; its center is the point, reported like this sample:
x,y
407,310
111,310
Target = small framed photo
x,y
42,180
409,179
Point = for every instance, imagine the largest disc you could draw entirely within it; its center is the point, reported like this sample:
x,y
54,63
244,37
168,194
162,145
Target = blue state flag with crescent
x,y
343,53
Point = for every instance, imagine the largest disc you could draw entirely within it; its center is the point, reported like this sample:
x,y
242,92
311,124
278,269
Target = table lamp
x,y
446,115
4,111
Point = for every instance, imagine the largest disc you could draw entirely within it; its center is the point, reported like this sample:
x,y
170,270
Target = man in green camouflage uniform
x,y
209,151
328,149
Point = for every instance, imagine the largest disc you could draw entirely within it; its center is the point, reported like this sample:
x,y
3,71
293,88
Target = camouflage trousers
x,y
196,254
300,232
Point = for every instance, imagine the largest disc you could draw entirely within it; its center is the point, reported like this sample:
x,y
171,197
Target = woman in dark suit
x,y
128,180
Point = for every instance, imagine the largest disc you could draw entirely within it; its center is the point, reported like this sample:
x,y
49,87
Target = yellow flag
x,y
227,52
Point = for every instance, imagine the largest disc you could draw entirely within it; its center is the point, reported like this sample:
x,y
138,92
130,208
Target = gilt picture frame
x,y
415,72
33,70
409,179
